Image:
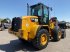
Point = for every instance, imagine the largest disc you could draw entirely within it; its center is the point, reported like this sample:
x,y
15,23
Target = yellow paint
x,y
52,25
29,28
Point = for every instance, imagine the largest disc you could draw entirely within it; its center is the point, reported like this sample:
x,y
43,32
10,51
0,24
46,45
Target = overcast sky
x,y
12,8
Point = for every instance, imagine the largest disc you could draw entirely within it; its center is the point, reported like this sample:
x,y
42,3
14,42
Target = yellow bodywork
x,y
29,28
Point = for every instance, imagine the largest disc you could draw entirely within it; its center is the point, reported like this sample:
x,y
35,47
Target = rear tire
x,y
57,34
37,42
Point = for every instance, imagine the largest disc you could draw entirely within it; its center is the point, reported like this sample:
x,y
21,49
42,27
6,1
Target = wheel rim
x,y
43,39
59,34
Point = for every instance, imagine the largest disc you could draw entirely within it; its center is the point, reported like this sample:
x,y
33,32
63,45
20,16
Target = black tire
x,y
63,33
56,35
37,43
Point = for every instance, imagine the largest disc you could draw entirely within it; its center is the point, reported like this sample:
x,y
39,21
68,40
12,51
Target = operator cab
x,y
42,12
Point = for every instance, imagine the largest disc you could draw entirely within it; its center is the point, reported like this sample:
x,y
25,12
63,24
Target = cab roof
x,y
38,5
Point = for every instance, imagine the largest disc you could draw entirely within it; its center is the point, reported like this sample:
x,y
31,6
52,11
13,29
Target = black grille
x,y
16,24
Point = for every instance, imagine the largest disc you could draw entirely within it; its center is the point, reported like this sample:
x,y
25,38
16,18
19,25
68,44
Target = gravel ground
x,y
10,43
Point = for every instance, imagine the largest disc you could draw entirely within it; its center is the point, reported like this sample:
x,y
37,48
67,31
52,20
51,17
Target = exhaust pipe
x,y
27,9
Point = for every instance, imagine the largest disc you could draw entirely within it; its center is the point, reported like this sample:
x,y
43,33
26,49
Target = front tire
x,y
41,39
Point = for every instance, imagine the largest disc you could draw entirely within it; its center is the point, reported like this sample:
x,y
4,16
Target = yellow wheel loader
x,y
36,27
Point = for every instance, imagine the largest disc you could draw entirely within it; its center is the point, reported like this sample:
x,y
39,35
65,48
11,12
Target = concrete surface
x,y
10,43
